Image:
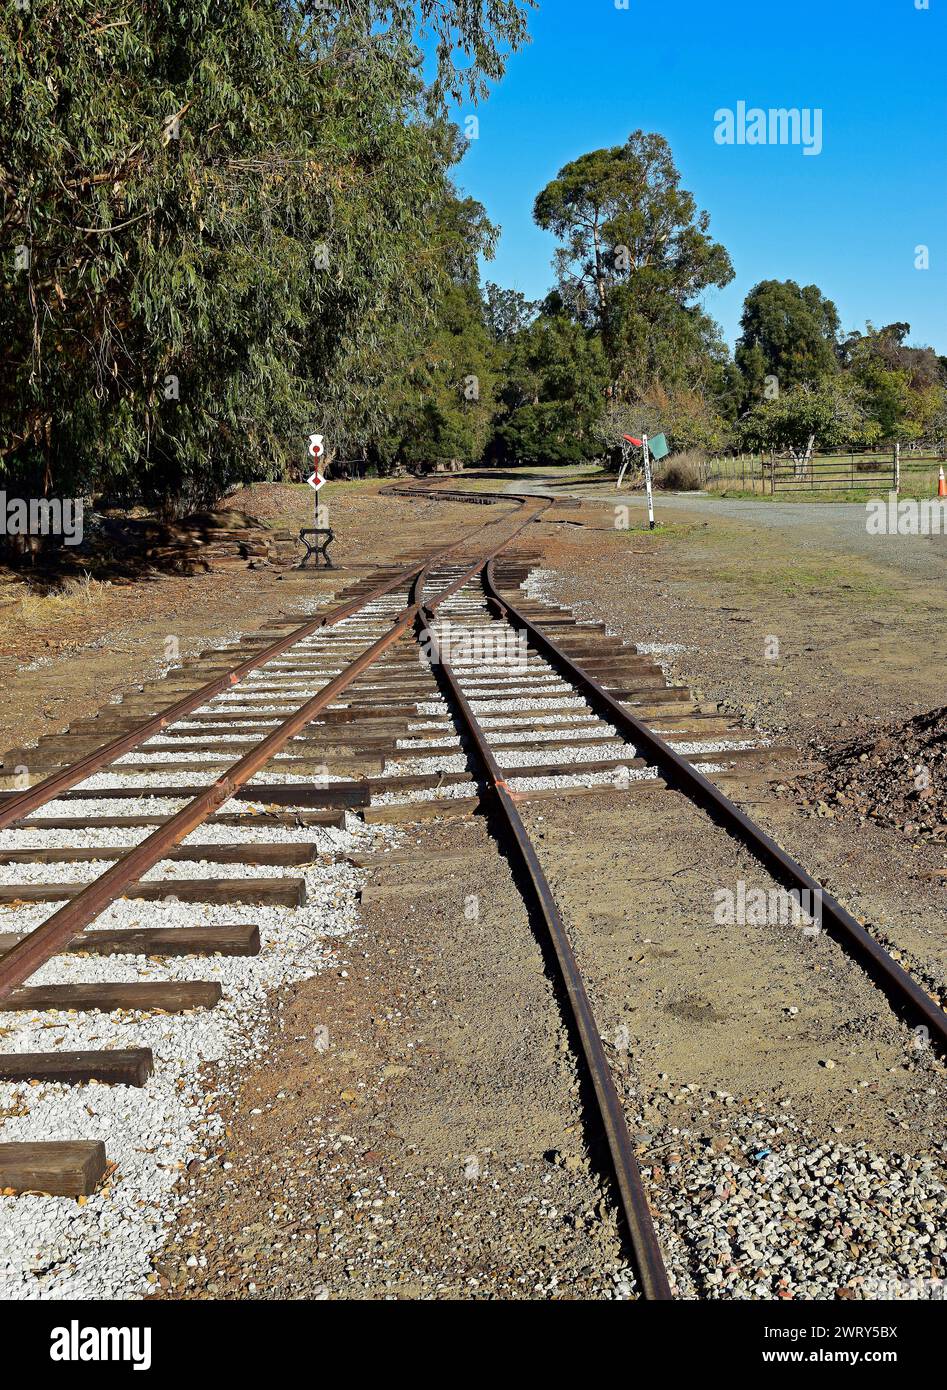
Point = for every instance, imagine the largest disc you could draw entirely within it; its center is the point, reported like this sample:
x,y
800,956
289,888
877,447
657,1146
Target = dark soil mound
x,y
898,777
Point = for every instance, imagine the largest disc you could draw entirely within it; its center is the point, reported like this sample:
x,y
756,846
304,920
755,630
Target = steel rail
x,y
36,947
19,962
649,1261
678,771
15,807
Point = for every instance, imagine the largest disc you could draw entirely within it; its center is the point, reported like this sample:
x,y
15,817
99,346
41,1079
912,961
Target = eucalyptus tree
x,y
790,333
435,396
508,312
214,223
636,254
551,394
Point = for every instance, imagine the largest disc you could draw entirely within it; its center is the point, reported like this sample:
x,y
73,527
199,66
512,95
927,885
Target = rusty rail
x,y
679,772
20,961
649,1261
15,807
57,931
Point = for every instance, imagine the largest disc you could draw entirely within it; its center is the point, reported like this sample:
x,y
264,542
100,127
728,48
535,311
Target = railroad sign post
x,y
647,478
317,538
316,452
655,448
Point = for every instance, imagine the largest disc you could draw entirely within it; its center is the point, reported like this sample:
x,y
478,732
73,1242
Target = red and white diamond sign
x,y
316,452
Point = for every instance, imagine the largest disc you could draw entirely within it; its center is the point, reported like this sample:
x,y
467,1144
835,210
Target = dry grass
x,y
682,472
76,596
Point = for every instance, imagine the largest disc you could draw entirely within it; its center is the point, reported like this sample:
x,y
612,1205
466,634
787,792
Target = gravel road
x,y
812,526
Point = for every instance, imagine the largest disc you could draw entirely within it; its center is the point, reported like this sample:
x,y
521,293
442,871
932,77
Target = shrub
x,y
682,472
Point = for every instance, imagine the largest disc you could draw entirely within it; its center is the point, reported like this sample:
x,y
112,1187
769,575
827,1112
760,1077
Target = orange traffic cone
x,y
941,483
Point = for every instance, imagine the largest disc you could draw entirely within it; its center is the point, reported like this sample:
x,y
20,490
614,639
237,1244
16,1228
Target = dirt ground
x,y
855,648
434,1145
754,1011
768,630
439,1141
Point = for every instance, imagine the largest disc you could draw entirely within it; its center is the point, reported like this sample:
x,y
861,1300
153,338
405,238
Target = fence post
x,y
897,467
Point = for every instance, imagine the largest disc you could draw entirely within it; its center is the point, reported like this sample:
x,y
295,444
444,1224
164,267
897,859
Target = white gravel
x,y
56,1248
617,778
104,1247
781,1213
577,753
716,745
447,741
593,733
503,706
90,806
502,722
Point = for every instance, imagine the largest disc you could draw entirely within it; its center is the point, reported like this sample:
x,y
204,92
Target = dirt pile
x,y
897,777
272,501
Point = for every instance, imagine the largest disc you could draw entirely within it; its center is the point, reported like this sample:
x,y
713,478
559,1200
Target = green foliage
x,y
441,407
904,389
636,254
553,382
689,420
507,312
226,225
433,392
868,388
789,333
228,211
832,413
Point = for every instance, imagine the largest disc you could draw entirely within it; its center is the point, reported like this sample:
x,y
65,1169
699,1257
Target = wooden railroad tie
x,y
170,997
273,854
121,1067
256,820
243,939
255,892
71,1168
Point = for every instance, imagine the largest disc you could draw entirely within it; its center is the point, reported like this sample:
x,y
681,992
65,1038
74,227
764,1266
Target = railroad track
x,y
512,700
599,705
281,704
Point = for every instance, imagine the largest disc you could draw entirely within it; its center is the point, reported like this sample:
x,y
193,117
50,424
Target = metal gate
x,y
833,473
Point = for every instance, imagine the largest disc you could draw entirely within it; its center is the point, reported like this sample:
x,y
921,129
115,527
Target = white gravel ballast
x,y
104,1246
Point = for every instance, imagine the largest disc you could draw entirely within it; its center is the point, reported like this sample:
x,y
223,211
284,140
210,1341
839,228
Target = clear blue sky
x,y
847,220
